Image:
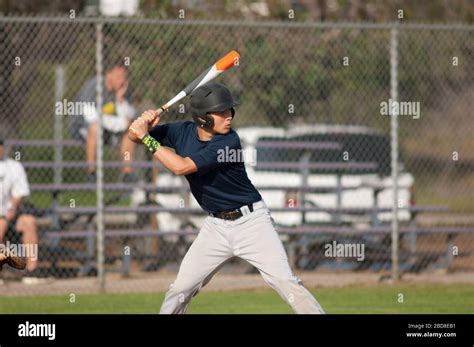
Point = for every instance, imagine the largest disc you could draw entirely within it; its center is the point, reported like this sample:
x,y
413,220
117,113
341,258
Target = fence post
x,y
59,87
99,159
394,145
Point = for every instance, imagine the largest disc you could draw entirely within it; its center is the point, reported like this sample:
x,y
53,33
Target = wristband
x,y
151,143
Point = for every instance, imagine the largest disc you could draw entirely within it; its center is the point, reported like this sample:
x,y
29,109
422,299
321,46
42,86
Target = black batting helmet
x,y
210,97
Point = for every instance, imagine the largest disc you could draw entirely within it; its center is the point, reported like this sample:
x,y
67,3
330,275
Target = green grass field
x,y
452,298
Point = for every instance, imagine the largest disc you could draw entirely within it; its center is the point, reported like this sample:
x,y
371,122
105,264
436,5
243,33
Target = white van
x,y
343,166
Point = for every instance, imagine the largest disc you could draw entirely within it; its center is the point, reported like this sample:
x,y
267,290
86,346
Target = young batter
x,y
239,223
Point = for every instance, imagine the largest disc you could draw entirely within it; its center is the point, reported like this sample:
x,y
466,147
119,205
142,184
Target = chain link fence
x,y
316,109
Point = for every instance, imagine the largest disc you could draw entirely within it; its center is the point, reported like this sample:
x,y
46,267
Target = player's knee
x,y
183,289
26,223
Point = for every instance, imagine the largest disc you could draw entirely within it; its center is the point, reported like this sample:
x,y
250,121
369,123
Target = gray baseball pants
x,y
252,238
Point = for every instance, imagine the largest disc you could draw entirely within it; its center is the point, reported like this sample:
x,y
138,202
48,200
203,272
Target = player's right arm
x,y
174,162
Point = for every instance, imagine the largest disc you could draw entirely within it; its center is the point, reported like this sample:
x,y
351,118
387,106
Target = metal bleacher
x,y
55,225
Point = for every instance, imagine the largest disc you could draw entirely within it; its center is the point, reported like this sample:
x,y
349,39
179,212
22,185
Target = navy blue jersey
x,y
218,185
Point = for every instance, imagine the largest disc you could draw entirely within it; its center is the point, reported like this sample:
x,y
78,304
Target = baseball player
x,y
239,223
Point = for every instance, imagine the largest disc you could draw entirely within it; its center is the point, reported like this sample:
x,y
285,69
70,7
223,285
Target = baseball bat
x,y
225,63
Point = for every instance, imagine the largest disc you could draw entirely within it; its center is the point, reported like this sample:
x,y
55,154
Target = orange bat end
x,y
230,59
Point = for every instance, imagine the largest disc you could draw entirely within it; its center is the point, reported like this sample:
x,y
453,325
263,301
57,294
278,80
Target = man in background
x,y
117,115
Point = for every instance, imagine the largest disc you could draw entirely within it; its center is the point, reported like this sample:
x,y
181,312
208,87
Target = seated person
x,y
117,116
13,189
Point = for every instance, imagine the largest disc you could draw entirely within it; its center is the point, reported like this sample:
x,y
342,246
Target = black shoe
x,y
34,277
128,178
91,177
